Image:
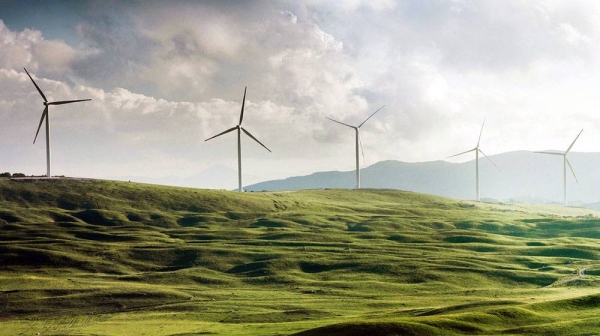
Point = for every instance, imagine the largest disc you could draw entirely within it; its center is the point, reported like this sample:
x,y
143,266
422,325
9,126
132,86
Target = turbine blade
x,y
574,141
67,101
36,86
481,132
490,160
362,150
243,103
572,171
371,116
551,153
44,115
255,139
224,132
465,152
339,122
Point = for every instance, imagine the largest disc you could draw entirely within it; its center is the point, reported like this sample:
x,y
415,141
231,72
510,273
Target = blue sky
x,y
165,75
57,19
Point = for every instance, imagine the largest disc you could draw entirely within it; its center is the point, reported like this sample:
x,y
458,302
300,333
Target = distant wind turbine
x,y
239,134
477,150
565,163
47,118
357,130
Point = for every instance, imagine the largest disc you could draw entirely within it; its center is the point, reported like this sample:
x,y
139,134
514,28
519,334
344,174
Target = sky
x,y
164,76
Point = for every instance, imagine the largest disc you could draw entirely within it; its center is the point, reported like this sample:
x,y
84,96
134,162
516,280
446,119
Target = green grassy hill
x,y
118,258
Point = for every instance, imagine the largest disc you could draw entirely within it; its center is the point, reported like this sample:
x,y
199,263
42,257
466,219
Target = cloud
x,y
29,49
443,66
197,51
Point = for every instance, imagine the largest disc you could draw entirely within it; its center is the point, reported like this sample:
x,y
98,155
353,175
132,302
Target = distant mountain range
x,y
215,177
525,177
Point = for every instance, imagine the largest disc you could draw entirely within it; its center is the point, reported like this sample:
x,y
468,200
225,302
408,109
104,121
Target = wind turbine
x,y
240,129
47,118
565,163
357,130
477,150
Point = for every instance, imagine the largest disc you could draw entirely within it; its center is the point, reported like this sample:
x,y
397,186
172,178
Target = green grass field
x,y
118,258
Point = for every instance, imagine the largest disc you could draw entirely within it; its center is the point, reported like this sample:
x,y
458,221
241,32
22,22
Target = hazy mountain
x,y
214,177
525,177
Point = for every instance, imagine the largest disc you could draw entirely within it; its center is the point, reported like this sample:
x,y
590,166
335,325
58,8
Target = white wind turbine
x,y
565,163
239,134
477,150
47,118
357,130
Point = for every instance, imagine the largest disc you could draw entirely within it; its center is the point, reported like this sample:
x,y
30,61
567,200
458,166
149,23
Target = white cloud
x,y
571,35
29,49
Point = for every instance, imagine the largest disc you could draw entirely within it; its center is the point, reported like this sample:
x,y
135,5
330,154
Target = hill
x,y
112,258
524,176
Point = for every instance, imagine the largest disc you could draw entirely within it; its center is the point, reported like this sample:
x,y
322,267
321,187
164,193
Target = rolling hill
x,y
524,177
90,257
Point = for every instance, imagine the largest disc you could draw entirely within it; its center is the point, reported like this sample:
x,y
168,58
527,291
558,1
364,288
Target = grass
x,y
119,258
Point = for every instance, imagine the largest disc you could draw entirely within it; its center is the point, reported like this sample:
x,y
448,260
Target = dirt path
x,y
579,275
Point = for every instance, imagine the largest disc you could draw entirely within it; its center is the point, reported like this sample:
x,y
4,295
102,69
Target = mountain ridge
x,y
523,175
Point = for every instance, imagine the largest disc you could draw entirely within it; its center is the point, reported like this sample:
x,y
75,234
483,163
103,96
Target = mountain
x,y
214,177
525,177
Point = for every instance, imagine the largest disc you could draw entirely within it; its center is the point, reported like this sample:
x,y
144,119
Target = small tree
x,y
7,174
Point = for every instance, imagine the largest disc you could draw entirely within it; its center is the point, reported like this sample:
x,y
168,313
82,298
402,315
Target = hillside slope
x,y
113,258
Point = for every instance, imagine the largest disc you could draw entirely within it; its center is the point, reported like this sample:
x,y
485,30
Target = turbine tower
x,y
240,129
357,131
565,163
477,150
47,118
